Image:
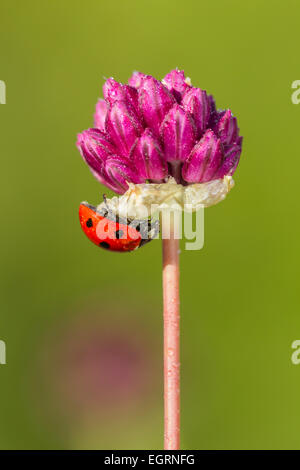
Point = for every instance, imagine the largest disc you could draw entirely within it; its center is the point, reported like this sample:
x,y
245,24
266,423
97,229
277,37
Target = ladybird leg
x,y
153,228
151,232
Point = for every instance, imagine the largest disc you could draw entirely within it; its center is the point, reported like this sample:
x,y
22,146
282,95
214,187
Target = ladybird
x,y
111,232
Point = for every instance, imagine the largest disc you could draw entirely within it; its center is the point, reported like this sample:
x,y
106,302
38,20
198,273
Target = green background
x,y
239,294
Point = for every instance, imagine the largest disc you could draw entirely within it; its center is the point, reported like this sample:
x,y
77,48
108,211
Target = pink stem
x,y
171,343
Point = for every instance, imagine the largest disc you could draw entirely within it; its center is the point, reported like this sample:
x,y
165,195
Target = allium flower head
x,y
148,130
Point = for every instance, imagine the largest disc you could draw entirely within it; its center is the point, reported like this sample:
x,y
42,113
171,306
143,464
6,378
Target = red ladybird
x,y
114,233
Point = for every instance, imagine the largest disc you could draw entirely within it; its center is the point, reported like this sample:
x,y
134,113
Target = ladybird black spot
x,y
104,245
89,223
119,234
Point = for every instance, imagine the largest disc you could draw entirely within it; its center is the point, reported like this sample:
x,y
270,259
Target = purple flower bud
x,y
154,101
100,114
114,91
213,112
147,130
178,134
226,128
148,158
197,103
104,179
121,171
175,81
212,104
123,126
204,160
230,160
94,147
136,79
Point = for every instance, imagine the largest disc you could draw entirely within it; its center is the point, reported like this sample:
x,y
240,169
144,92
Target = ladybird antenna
x,y
105,200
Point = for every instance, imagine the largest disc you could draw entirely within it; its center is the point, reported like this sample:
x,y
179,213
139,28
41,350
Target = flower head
x,y
148,130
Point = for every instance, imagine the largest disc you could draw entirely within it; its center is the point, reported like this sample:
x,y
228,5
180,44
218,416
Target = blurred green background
x,y
239,294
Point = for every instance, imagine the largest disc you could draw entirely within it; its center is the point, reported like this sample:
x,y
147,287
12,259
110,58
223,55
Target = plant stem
x,y
171,343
